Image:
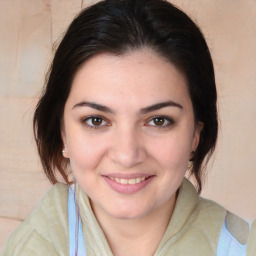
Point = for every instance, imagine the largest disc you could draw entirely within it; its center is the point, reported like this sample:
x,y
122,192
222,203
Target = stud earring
x,y
63,151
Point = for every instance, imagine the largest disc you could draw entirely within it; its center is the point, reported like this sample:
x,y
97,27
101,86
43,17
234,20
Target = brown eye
x,y
97,121
159,121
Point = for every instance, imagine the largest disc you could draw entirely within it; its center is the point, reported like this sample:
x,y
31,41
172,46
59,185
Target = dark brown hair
x,y
118,27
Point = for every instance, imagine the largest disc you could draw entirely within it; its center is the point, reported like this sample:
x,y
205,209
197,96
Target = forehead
x,y
140,75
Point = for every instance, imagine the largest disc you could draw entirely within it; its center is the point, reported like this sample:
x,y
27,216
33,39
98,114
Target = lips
x,y
128,184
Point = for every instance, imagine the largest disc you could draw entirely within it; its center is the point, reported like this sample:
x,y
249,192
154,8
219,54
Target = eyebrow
x,y
159,106
94,106
142,111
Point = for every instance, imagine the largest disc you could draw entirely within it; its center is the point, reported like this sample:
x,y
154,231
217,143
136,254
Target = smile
x,y
128,185
128,181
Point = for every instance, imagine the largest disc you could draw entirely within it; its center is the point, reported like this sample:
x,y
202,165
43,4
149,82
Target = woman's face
x,y
129,131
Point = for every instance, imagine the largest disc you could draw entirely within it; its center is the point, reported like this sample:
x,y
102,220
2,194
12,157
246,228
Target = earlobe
x,y
198,128
64,150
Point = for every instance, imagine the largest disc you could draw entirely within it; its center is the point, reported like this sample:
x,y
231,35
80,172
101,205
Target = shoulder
x,y
236,226
232,232
251,248
234,236
45,230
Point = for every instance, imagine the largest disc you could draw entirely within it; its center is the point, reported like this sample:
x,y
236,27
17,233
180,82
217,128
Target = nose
x,y
128,149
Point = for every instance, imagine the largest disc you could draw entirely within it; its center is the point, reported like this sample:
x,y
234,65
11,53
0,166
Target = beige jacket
x,y
194,228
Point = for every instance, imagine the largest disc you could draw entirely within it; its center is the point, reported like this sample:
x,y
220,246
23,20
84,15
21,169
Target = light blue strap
x,y
228,245
76,237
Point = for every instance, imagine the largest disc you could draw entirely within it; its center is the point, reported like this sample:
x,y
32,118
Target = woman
x,y
129,106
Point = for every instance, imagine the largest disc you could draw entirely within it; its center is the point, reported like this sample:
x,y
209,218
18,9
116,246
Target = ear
x,y
196,137
65,148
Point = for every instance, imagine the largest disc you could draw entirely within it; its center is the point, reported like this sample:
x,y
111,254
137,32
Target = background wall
x,y
28,29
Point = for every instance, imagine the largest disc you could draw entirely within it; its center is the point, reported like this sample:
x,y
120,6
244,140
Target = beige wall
x,y
28,29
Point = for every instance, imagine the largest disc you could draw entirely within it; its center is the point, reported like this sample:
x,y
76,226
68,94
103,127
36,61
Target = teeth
x,y
124,181
132,181
128,181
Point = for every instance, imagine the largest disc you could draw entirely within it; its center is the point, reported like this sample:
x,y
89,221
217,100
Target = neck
x,y
140,236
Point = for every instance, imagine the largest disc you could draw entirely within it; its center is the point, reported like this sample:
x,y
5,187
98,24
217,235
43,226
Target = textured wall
x,y
28,29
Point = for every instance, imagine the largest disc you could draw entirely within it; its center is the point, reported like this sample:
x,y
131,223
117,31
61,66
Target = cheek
x,y
172,151
86,152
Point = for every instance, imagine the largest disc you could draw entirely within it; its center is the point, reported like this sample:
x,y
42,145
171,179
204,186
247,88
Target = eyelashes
x,y
95,122
160,121
99,122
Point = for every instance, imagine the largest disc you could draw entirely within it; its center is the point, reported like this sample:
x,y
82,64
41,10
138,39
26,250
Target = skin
x,y
129,139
